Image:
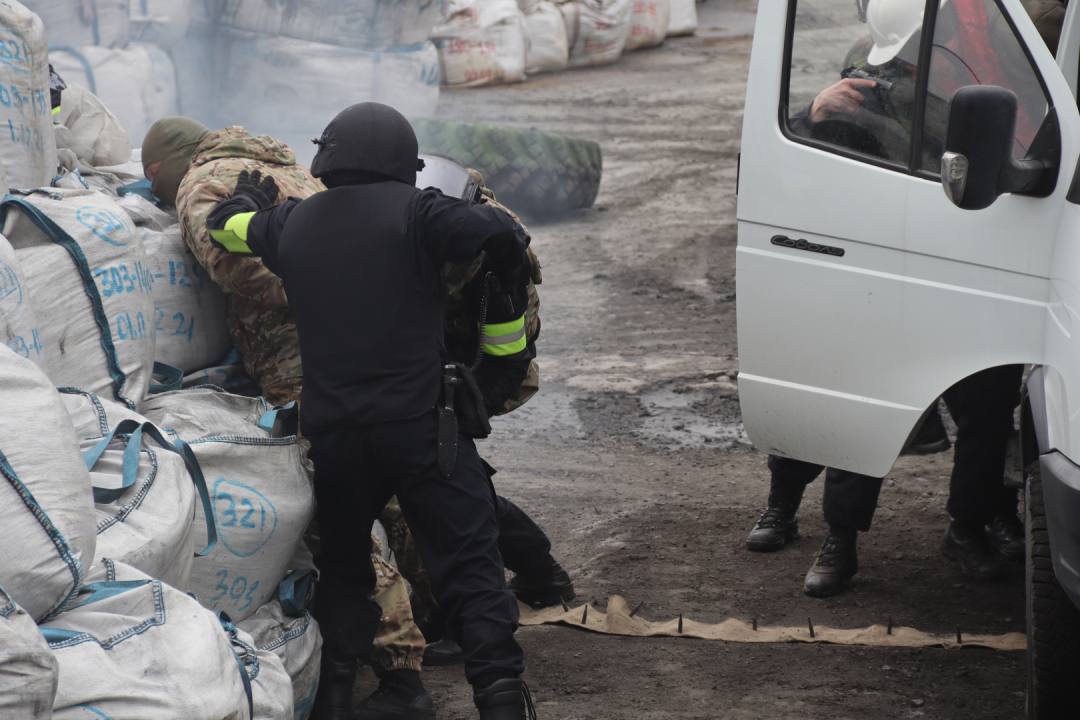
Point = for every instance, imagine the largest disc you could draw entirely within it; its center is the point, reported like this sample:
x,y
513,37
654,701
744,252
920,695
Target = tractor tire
x,y
1053,621
532,172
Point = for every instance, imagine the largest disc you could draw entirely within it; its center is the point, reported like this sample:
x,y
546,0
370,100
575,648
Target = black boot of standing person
x,y
401,696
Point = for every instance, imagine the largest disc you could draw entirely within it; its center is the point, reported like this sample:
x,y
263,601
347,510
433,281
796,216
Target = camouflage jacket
x,y
259,320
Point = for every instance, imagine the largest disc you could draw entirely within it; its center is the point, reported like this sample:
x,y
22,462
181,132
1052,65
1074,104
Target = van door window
x,y
853,74
974,44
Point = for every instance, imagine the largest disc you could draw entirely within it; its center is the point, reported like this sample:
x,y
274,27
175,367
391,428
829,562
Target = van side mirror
x,y
978,163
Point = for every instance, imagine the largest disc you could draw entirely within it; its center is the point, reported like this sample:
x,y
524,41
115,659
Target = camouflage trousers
x,y
399,644
407,556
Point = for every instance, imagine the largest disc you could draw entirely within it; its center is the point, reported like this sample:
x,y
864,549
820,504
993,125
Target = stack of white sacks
x,y
118,499
489,41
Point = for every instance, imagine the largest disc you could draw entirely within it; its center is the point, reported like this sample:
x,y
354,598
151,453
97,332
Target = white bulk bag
x,y
190,309
648,23
162,22
18,324
261,496
27,666
683,17
296,642
76,22
546,34
87,128
136,83
145,502
303,80
365,24
27,145
481,42
93,416
46,506
135,648
596,30
87,275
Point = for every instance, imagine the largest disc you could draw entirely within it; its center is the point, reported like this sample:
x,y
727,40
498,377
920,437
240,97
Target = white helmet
x,y
892,23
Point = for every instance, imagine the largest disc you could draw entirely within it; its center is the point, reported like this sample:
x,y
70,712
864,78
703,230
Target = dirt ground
x,y
632,456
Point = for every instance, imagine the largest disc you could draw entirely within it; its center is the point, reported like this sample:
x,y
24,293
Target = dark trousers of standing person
x,y
454,523
850,498
982,408
521,541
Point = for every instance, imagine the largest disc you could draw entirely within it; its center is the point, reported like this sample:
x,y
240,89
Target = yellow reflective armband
x,y
234,237
505,338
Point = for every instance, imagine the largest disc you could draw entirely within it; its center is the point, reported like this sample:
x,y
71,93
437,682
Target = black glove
x,y
509,294
263,193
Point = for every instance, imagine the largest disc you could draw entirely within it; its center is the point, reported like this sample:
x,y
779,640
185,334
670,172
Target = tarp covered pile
x,y
151,534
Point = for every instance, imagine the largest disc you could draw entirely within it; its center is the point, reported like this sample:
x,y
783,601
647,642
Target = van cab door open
x,y
863,292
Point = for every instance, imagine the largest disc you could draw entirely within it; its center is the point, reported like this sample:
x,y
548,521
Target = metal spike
x,y
680,622
811,624
585,614
565,607
755,623
888,630
959,637
634,611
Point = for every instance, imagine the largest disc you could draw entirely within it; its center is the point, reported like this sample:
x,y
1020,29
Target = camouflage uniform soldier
x,y
193,169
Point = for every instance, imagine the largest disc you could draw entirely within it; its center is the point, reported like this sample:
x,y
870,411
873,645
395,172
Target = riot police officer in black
x,y
363,267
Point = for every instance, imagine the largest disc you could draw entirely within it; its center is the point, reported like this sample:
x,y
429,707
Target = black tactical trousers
x,y
453,521
523,545
982,407
850,498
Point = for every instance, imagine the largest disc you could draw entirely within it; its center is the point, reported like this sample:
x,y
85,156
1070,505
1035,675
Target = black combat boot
x,y
401,696
780,521
931,437
970,545
443,652
548,584
836,563
333,701
506,699
433,625
1006,535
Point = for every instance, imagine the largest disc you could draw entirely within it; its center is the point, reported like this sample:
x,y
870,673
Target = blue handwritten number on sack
x,y
235,590
246,518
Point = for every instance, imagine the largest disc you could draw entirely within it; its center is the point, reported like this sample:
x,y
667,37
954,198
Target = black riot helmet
x,y
368,139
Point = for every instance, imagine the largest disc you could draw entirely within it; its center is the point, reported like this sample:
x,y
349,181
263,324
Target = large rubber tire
x,y
1053,621
531,171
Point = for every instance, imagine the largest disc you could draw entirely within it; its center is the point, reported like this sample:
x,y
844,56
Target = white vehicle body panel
x,y
840,356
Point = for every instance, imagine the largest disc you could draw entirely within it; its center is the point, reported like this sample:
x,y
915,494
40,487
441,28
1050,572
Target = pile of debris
x,y
152,522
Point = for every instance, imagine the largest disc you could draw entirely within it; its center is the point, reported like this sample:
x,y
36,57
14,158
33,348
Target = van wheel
x,y
1053,622
531,171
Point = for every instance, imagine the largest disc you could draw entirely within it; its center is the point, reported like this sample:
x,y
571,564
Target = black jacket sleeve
x,y
264,228
457,230
499,377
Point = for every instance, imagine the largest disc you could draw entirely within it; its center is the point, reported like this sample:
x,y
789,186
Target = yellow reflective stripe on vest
x,y
56,110
234,237
505,338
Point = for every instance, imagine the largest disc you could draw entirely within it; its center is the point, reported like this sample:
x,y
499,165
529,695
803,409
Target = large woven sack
x,y
296,642
262,498
27,666
546,33
18,324
364,24
90,130
230,376
145,497
596,30
135,648
189,307
87,276
162,22
27,147
93,416
46,507
77,22
481,42
304,80
648,23
136,83
683,18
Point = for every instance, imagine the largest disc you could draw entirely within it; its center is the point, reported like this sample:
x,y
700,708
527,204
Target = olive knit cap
x,y
173,141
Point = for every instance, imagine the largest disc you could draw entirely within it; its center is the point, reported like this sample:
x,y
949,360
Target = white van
x,y
867,286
